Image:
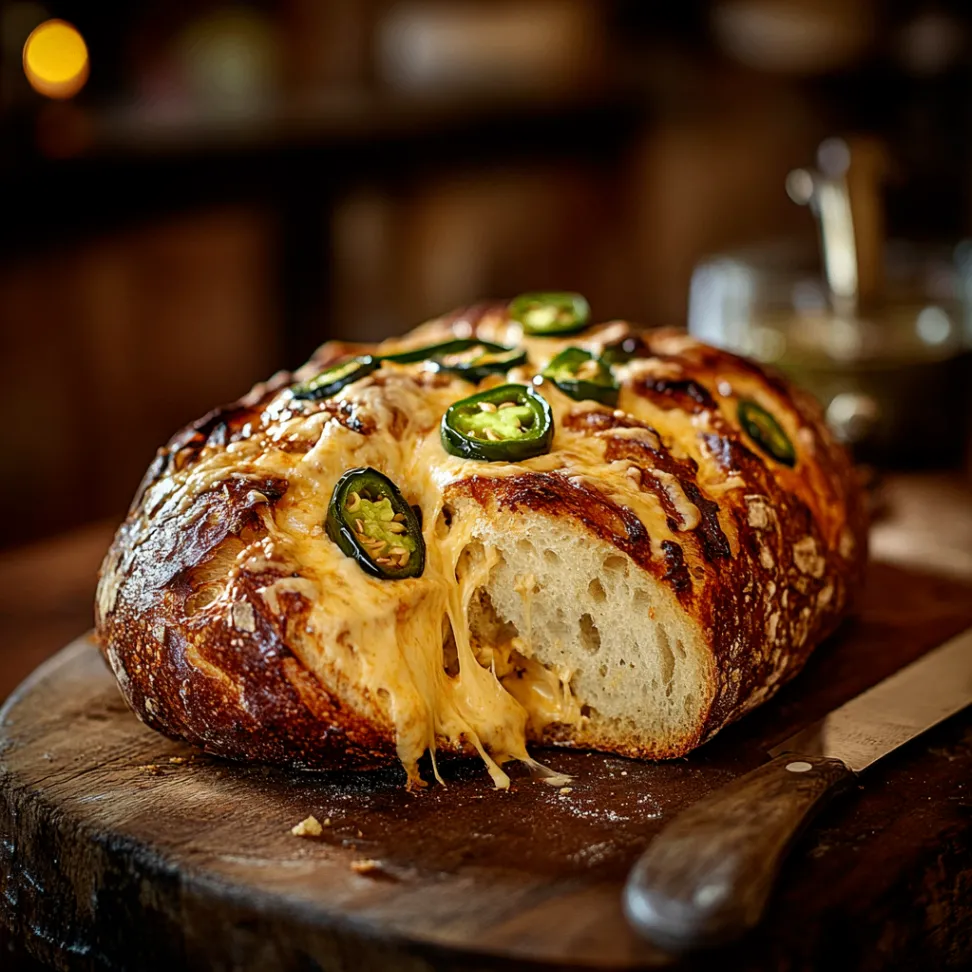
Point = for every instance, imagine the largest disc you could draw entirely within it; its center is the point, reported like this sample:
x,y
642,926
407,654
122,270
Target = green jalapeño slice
x,y
766,432
370,521
467,357
504,424
432,352
474,360
552,313
582,375
414,355
331,380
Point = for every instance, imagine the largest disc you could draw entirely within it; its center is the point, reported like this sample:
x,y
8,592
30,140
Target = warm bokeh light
x,y
56,59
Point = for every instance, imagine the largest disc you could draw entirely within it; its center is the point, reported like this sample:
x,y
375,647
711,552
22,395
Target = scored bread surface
x,y
652,577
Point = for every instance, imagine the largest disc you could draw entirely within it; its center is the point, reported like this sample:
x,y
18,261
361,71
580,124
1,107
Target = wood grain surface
x,y
121,850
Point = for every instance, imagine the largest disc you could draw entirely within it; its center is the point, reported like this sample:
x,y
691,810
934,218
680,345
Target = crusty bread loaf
x,y
650,578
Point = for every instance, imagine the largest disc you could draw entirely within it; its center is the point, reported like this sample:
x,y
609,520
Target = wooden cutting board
x,y
123,850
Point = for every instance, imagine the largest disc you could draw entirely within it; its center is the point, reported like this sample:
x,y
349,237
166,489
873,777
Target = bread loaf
x,y
657,572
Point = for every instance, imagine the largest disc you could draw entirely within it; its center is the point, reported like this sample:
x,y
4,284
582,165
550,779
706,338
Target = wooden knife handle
x,y
706,878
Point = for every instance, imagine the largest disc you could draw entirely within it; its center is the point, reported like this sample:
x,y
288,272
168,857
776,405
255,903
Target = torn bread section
x,y
586,639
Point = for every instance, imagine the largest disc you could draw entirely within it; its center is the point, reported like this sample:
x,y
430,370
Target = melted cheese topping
x,y
385,638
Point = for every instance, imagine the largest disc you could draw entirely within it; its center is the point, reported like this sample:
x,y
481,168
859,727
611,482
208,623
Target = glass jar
x,y
893,379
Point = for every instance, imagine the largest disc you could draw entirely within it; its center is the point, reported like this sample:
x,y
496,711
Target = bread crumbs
x,y
365,866
310,827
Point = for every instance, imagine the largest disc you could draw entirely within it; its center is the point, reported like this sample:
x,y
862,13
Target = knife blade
x,y
903,706
706,878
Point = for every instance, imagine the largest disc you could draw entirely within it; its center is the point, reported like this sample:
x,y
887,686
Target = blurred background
x,y
196,194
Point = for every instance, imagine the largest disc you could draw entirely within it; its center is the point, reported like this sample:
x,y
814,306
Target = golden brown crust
x,y
227,683
768,569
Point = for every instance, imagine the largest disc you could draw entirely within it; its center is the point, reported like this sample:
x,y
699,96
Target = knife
x,y
706,878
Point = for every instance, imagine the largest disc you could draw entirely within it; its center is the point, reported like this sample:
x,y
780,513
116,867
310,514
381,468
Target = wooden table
x,y
923,520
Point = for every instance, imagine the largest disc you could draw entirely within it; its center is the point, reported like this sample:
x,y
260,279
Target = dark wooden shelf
x,y
130,164
349,118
